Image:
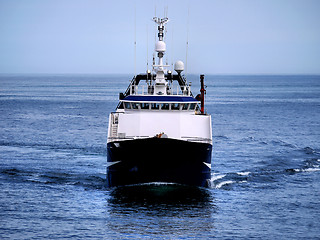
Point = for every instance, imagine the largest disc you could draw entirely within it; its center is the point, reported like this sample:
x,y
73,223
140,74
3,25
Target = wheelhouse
x,y
160,103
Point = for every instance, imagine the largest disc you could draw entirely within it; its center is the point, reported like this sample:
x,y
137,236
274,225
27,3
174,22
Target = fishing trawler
x,y
157,134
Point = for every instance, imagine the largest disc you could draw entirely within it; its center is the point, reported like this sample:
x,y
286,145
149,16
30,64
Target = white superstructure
x,y
148,119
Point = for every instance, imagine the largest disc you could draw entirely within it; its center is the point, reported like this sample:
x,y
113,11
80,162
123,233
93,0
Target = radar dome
x,y
160,46
179,66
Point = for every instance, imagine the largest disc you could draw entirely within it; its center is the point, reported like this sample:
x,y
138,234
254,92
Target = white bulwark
x,y
176,120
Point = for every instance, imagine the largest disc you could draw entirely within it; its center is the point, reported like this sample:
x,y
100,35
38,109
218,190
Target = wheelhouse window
x,y
155,106
192,106
145,105
135,105
160,106
175,106
127,105
165,106
185,106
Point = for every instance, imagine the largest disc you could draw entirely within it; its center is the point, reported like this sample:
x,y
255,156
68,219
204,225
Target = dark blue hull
x,y
158,160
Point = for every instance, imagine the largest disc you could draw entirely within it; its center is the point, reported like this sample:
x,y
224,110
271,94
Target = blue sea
x,y
265,175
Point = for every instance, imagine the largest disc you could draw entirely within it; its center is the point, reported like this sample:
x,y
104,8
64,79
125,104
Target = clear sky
x,y
97,36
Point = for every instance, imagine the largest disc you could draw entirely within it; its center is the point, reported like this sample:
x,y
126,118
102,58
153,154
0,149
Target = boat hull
x,y
158,160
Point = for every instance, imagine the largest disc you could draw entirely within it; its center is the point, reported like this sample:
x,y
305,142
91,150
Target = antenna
x,y
166,31
172,52
135,41
166,11
155,31
187,46
147,50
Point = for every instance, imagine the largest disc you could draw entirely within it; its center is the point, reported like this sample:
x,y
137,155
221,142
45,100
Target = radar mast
x,y
160,48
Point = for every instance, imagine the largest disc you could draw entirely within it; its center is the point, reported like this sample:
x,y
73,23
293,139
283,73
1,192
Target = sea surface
x,y
265,175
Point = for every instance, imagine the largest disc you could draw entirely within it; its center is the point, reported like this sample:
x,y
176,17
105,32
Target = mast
x,y
160,48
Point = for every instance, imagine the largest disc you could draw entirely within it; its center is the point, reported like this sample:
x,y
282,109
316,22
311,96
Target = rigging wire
x,y
172,49
135,41
166,31
187,43
147,49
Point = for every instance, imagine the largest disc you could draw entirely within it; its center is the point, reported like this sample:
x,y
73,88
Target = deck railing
x,y
148,90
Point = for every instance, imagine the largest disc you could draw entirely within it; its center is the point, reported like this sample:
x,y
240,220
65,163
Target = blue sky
x,y
97,36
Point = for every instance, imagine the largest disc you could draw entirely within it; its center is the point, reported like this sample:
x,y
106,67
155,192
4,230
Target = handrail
x,y
136,80
189,139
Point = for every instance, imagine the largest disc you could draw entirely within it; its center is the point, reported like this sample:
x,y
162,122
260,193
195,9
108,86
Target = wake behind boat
x,y
158,133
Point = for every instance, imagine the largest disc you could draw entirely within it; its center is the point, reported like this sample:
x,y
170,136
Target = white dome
x,y
160,46
179,66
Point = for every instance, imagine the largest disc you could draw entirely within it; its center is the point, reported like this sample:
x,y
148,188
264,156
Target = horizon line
x,y
192,74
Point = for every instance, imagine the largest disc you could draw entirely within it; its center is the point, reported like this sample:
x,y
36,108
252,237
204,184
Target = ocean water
x,y
265,176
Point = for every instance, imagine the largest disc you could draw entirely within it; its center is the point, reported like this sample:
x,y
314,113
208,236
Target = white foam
x,y
307,170
311,170
217,177
243,173
223,184
157,183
